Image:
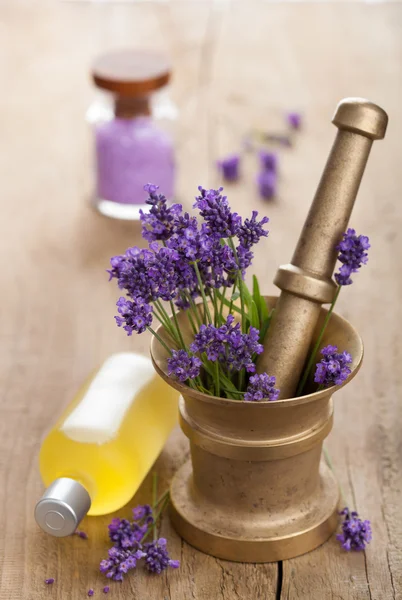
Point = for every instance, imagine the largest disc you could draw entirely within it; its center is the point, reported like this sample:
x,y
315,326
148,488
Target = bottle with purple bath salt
x,y
133,121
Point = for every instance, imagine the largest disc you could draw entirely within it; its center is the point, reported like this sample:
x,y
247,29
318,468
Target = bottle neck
x,y
126,107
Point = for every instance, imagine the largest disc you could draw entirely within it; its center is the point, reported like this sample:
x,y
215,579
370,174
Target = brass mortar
x,y
256,488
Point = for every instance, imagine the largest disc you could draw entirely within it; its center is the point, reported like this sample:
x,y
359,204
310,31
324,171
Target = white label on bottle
x,y
98,417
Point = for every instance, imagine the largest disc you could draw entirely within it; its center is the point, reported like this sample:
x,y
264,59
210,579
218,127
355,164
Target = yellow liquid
x,y
113,471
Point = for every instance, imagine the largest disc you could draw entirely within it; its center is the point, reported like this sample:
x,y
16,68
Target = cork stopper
x,y
131,73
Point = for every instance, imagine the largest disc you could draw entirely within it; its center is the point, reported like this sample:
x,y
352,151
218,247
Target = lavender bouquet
x,y
198,265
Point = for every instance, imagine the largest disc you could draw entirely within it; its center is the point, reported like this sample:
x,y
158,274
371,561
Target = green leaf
x,y
256,290
254,318
235,296
260,301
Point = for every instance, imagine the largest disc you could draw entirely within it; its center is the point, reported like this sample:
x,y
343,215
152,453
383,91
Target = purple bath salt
x,y
129,152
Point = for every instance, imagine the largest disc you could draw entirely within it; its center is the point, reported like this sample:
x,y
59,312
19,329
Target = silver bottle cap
x,y
61,508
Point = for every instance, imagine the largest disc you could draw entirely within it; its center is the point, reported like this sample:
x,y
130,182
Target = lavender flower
x,y
158,222
49,581
228,345
162,272
215,209
332,369
294,119
268,160
90,592
229,167
136,315
266,181
245,258
141,511
82,535
252,230
183,366
353,254
261,387
122,535
355,532
120,562
106,589
131,272
157,557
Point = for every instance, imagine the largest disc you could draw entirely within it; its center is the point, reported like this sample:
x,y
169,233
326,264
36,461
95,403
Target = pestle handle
x,y
307,283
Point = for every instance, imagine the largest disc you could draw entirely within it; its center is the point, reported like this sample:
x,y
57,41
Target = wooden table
x,y
238,65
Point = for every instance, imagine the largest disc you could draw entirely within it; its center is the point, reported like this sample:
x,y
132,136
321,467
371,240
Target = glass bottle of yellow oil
x,y
99,451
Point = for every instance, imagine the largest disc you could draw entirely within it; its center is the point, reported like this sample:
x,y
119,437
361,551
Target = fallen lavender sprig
x,y
129,546
356,534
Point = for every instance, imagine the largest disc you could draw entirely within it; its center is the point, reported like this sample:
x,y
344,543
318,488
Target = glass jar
x,y
133,122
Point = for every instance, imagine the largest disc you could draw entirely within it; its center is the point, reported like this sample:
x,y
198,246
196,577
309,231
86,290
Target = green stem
x,y
156,517
317,345
217,385
154,496
201,286
190,318
167,325
222,303
160,340
177,325
195,311
240,284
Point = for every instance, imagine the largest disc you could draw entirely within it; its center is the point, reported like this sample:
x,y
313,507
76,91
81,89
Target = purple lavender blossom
x,y
268,160
353,254
333,368
82,535
122,535
294,119
163,273
228,345
157,557
251,231
190,241
229,166
90,592
136,315
245,258
183,366
355,532
141,511
261,387
49,581
120,562
131,272
266,181
158,222
215,209
106,589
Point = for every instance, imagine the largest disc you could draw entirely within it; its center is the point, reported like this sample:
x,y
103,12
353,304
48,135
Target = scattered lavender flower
x,y
183,366
120,562
229,166
261,387
82,535
228,345
49,581
90,592
294,119
136,315
157,223
157,557
106,589
251,231
355,532
215,209
333,368
266,181
268,160
123,534
353,254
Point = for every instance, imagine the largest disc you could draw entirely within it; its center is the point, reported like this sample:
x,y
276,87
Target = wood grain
x,y
238,66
